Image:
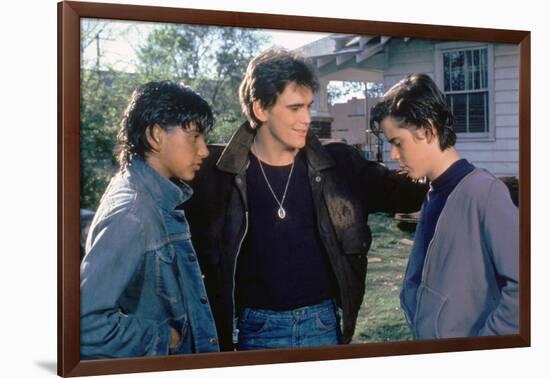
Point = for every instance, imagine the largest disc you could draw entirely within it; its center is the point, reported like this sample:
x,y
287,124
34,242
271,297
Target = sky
x,y
120,39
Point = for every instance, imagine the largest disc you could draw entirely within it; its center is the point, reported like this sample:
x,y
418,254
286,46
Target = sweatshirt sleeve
x,y
115,253
501,229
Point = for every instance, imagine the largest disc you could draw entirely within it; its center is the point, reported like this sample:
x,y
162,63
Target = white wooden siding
x,y
507,108
507,73
404,58
505,49
504,158
507,96
508,132
507,84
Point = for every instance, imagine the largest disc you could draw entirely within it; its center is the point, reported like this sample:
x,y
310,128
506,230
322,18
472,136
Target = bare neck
x,y
271,151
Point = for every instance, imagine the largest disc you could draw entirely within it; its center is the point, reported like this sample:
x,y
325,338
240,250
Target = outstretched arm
x,y
382,189
391,191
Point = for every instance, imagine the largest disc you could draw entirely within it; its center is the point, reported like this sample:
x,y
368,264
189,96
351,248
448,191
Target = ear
x,y
154,135
259,111
431,132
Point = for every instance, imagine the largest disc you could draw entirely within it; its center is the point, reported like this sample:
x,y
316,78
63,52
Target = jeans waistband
x,y
326,305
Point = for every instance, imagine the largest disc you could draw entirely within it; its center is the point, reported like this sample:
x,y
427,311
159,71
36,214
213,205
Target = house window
x,y
465,82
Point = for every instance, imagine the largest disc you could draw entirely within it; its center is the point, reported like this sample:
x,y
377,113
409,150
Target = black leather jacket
x,y
345,188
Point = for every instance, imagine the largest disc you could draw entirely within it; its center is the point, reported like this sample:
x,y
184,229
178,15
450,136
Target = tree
x,y
211,60
341,90
104,94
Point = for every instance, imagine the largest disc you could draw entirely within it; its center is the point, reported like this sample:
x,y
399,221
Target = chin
x,y
187,176
413,176
299,144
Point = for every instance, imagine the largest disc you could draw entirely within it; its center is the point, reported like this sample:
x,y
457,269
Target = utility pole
x,y
97,51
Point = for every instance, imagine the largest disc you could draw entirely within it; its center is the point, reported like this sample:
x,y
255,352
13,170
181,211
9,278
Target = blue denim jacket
x,y
140,276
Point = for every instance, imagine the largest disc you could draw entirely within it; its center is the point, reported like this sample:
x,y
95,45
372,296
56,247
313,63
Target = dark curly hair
x,y
163,103
413,103
267,76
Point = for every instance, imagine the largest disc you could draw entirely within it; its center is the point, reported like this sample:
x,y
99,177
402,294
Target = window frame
x,y
439,50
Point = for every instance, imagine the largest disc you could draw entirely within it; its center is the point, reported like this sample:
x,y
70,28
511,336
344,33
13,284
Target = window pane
x,y
459,111
457,71
476,68
478,110
446,72
483,67
466,71
469,68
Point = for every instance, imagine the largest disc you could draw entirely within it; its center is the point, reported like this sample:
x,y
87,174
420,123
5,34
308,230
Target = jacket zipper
x,y
235,329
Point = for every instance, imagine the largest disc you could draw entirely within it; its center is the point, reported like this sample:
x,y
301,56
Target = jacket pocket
x,y
429,307
356,239
166,275
182,327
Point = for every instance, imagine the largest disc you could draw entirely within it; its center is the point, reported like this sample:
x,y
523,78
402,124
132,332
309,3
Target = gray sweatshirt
x,y
470,277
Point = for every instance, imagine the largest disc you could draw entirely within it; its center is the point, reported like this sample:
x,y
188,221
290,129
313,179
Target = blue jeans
x,y
308,326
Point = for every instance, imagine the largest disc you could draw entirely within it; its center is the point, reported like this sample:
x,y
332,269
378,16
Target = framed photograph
x,y
106,50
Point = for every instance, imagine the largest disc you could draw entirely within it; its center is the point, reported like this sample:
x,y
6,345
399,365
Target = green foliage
x,y
380,316
211,60
104,95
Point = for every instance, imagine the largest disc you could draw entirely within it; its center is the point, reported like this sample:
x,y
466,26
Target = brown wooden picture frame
x,y
69,15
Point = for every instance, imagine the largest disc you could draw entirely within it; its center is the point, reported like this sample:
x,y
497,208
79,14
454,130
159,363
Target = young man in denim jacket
x,y
280,220
462,276
142,291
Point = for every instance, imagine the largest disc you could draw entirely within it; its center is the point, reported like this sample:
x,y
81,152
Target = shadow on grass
x,y
386,332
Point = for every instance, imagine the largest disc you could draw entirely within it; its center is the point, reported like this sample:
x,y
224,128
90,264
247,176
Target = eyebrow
x,y
299,104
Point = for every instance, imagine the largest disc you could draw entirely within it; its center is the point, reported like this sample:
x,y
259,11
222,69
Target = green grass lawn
x,y
380,317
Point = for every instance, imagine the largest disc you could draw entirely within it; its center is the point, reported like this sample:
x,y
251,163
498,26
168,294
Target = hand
x,y
175,338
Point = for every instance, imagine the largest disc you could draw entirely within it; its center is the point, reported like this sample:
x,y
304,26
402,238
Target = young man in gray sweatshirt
x,y
462,275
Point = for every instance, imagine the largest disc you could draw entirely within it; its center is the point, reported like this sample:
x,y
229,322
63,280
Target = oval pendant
x,y
281,213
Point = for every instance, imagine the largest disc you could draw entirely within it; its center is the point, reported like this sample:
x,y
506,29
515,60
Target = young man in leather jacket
x,y
280,220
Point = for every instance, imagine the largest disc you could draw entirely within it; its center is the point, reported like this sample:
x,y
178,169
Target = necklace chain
x,y
281,212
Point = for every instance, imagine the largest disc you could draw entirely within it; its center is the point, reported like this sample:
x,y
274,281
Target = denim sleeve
x,y
501,229
116,251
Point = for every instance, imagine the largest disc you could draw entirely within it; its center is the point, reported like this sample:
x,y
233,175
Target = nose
x,y
394,153
306,116
202,149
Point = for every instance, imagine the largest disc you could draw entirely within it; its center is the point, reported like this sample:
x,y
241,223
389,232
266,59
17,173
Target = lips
x,y
300,131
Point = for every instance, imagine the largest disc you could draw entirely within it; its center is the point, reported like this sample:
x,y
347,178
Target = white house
x,y
480,80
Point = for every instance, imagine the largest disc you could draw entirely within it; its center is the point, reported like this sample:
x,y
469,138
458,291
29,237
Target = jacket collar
x,y
234,158
166,193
